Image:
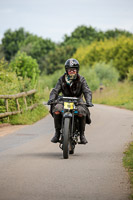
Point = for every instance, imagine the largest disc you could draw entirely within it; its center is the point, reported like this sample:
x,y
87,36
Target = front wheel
x,y
66,134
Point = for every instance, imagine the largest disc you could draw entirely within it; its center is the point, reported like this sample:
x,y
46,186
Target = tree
x,y
84,35
12,41
37,48
119,51
116,33
1,52
55,59
80,36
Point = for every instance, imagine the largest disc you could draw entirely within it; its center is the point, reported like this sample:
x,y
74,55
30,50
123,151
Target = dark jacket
x,y
78,89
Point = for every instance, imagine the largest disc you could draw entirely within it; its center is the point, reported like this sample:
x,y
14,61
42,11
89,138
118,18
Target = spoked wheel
x,y
66,134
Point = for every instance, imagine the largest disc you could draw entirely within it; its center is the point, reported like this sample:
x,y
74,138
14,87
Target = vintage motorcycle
x,y
70,125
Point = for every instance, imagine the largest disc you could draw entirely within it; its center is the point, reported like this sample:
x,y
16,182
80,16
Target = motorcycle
x,y
70,125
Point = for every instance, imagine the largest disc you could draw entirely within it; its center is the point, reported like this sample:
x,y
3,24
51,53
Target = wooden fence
x,y
16,97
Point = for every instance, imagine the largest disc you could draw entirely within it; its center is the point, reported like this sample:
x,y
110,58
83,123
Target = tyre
x,y
66,133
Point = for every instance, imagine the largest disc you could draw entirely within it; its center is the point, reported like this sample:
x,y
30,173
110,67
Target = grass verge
x,y
120,95
128,163
30,116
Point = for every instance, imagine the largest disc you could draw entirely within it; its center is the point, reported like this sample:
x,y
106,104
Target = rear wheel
x,y
71,146
71,151
66,134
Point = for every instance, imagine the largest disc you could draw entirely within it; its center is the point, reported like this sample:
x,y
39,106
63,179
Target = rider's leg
x,y
82,122
57,124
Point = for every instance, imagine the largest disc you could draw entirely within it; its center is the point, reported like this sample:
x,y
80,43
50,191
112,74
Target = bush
x,y
8,79
91,77
50,80
119,51
130,75
106,73
25,67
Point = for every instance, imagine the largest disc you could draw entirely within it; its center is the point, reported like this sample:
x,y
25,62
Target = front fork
x,y
73,137
64,115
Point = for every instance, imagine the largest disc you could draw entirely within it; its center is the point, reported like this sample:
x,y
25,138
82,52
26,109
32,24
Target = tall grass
x,y
120,94
30,116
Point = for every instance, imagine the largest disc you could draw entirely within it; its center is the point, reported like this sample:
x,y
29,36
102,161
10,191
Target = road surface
x,y
32,168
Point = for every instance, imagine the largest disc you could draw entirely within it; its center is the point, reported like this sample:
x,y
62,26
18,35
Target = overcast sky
x,y
54,18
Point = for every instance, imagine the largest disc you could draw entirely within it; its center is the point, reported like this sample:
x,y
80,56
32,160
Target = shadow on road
x,y
43,155
47,155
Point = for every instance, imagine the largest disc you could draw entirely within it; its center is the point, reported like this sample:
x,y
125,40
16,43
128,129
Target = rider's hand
x,y
50,101
89,104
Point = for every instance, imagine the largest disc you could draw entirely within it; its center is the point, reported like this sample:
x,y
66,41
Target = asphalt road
x,y
33,168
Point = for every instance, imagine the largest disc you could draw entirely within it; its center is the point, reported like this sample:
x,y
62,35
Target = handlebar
x,y
68,99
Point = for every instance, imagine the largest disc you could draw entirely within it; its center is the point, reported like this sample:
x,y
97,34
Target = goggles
x,y
72,70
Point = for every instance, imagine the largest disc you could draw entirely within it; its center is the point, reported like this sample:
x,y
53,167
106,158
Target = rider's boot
x,y
82,138
56,137
82,122
57,123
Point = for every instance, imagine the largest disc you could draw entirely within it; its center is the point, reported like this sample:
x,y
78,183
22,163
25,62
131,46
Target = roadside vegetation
x,y
120,95
31,62
128,163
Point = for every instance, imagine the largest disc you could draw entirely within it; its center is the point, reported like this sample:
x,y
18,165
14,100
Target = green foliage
x,y
130,74
119,51
37,48
128,163
120,94
91,77
84,35
55,59
8,79
116,33
10,85
50,58
12,41
50,80
30,116
98,53
25,67
19,40
106,73
100,73
1,52
3,64
81,35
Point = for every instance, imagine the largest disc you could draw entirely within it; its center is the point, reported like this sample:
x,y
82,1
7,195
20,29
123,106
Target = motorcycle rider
x,y
71,84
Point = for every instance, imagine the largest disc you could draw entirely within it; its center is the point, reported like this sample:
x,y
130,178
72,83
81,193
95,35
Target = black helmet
x,y
71,63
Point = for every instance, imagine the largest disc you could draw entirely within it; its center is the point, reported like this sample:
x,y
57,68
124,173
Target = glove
x,y
50,101
89,104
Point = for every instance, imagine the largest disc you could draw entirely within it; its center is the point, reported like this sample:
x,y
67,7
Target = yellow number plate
x,y
68,105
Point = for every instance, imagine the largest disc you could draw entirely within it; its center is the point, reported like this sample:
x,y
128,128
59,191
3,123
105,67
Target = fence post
x,y
16,97
25,102
18,107
6,104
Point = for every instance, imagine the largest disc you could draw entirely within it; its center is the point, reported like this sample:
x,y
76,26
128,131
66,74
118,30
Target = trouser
x,y
58,119
82,111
